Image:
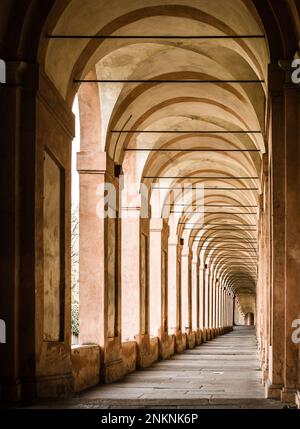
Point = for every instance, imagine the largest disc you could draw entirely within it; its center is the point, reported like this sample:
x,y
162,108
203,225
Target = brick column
x,y
174,291
292,241
211,302
186,292
274,301
100,252
135,276
195,297
202,300
217,307
159,232
207,300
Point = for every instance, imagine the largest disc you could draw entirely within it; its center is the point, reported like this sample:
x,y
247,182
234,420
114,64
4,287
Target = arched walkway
x,y
224,369
223,373
188,164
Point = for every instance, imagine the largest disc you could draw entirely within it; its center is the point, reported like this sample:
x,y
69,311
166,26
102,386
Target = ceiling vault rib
x,y
189,150
209,205
208,188
203,177
239,81
185,132
206,212
102,36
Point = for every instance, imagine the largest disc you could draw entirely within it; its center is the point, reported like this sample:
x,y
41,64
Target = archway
x,y
249,319
202,142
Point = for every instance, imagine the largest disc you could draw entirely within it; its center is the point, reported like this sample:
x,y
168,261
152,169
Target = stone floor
x,y
222,373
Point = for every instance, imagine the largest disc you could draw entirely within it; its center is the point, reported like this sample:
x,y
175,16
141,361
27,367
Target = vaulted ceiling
x,y
195,123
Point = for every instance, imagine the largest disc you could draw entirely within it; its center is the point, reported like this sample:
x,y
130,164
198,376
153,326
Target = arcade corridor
x,y
223,373
150,237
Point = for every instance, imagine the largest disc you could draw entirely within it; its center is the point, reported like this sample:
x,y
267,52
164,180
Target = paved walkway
x,y
222,373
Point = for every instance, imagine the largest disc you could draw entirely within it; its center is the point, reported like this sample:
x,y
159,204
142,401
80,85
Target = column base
x,y
129,353
288,396
153,351
56,386
208,334
190,339
85,366
111,364
297,399
144,356
265,374
272,391
10,390
180,342
204,334
198,334
166,346
112,371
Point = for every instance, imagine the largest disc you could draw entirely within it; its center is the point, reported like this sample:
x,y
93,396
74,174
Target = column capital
x,y
195,259
158,225
173,240
186,252
94,163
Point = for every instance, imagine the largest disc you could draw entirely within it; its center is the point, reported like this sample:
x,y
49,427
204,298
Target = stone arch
x,y
41,94
249,319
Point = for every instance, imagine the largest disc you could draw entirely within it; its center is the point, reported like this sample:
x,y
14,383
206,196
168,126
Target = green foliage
x,y
75,319
75,271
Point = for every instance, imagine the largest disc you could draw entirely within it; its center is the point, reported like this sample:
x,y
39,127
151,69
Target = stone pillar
x,y
202,301
231,311
130,272
292,243
274,329
159,232
100,252
174,291
186,294
12,218
211,303
207,301
223,307
226,309
214,308
195,297
45,289
263,260
35,158
217,306
135,277
220,306
173,301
